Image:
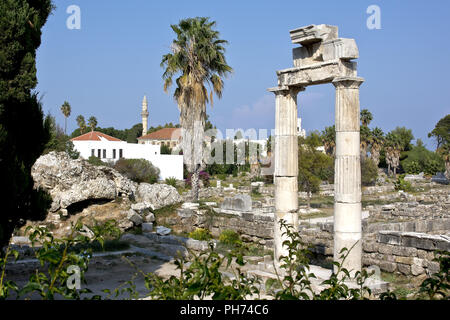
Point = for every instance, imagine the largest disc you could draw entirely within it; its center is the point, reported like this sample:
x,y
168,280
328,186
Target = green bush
x,y
96,161
200,234
230,237
419,159
138,170
402,184
171,181
369,172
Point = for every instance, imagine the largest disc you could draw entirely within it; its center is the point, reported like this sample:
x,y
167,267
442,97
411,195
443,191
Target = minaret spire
x,y
144,115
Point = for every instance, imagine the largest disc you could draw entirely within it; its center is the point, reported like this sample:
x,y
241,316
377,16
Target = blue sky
x,y
105,68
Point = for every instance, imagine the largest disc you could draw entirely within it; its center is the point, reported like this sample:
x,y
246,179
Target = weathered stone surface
x,y
404,260
160,195
162,231
134,217
404,268
147,227
417,270
71,181
386,249
143,208
313,33
404,251
241,202
150,217
388,266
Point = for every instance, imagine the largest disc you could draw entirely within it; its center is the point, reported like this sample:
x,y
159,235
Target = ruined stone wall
x,y
404,247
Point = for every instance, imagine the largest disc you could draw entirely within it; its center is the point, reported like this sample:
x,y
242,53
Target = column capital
x,y
348,82
279,90
284,90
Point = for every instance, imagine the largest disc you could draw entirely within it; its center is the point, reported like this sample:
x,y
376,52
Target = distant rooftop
x,y
163,134
94,136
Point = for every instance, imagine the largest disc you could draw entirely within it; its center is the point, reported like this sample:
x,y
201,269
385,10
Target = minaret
x,y
144,115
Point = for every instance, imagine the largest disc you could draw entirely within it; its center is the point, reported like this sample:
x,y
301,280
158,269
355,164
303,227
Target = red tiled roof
x,y
94,136
163,134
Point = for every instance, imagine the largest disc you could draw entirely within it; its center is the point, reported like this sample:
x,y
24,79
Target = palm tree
x,y
393,148
366,117
66,110
81,123
365,140
329,140
197,57
92,123
377,142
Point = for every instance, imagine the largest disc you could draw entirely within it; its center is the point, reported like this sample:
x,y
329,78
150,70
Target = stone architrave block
x,y
313,33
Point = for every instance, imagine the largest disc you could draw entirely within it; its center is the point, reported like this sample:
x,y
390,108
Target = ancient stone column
x,y
347,180
286,163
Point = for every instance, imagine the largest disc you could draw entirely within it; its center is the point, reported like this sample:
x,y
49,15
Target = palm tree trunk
x,y
192,120
447,169
65,125
195,182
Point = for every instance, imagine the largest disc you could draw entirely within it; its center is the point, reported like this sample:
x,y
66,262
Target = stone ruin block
x,y
313,33
241,202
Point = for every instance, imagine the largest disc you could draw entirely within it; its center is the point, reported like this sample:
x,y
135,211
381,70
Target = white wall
x,y
169,165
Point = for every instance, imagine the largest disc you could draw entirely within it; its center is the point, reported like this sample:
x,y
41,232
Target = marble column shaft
x,y
286,164
347,181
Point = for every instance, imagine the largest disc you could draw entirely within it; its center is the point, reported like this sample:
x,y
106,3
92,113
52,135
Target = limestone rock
x,y
147,227
162,231
160,195
71,181
150,217
142,208
134,217
241,202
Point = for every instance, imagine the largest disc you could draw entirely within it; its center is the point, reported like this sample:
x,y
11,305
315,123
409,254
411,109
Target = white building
x,y
110,149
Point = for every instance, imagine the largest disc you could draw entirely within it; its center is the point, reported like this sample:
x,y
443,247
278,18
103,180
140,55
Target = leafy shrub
x,y
171,181
402,184
138,170
200,234
369,172
419,159
95,161
222,176
230,237
59,256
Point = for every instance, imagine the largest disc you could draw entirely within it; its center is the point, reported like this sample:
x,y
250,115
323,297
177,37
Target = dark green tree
x,y
313,165
23,132
441,133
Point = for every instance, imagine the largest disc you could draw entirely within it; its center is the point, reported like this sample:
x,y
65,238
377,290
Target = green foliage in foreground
x,y
61,257
201,274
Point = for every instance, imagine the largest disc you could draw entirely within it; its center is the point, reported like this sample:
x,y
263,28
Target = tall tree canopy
x,y
21,113
197,59
442,134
